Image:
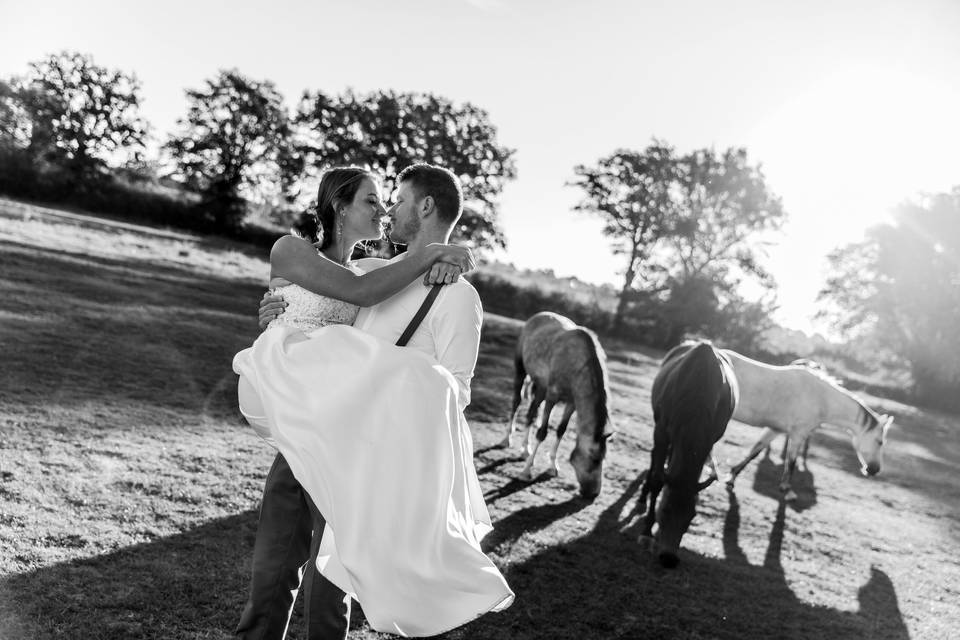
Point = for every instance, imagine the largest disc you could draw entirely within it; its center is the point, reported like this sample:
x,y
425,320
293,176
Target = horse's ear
x,y
887,421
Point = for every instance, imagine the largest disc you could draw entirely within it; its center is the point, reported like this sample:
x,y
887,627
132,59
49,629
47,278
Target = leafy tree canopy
x,y
388,131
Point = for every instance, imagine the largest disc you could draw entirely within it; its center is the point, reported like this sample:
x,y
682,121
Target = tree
x,y
724,211
388,131
232,144
15,126
631,192
688,224
901,285
73,113
723,208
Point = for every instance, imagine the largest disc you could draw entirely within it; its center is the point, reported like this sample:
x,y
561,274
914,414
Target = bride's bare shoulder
x,y
291,249
291,244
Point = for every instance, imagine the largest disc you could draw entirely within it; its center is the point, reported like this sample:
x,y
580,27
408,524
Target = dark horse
x,y
693,397
565,364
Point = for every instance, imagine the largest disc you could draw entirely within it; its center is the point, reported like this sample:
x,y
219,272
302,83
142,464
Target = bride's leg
x,y
251,407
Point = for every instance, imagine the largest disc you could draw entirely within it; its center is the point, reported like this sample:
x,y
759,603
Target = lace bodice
x,y
307,310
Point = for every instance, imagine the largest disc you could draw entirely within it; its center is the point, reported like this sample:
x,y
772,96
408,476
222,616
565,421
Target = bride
x,y
372,431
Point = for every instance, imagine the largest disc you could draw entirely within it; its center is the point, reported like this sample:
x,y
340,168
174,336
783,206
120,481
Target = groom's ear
x,y
428,206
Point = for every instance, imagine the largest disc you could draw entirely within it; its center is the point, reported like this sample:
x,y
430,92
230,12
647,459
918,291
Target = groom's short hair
x,y
439,183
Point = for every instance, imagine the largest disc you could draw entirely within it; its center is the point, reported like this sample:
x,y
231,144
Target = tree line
x,y
238,146
691,228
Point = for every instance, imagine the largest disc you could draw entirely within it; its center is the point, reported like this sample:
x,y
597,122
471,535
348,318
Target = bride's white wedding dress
x,y
374,434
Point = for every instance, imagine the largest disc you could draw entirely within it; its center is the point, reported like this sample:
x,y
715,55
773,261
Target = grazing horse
x,y
565,364
805,448
693,397
795,400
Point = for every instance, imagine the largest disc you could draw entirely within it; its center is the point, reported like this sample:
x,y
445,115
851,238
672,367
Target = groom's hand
x,y
442,273
271,306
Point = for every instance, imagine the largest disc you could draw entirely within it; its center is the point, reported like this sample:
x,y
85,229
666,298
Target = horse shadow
x,y
604,584
600,585
766,482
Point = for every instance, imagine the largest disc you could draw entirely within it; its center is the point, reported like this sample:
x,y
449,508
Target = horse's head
x,y
675,512
587,461
868,444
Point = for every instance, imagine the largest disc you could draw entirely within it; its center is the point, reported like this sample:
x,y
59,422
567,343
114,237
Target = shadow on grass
x,y
766,482
84,328
601,585
513,486
605,585
190,585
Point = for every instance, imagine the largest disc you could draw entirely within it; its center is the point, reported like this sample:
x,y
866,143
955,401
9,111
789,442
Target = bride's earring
x,y
340,236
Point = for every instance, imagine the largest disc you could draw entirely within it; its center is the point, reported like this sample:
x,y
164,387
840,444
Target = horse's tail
x,y
597,363
697,374
519,374
696,404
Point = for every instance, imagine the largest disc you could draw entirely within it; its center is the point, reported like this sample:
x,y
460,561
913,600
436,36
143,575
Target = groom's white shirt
x,y
450,332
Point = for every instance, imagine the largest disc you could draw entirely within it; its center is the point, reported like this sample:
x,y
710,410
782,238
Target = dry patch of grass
x,y
129,485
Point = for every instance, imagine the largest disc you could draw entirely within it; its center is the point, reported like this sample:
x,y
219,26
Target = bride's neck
x,y
340,252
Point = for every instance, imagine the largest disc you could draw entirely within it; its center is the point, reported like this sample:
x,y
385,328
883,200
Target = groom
x,y
428,204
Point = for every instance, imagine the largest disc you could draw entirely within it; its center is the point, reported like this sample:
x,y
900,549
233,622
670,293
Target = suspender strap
x,y
418,318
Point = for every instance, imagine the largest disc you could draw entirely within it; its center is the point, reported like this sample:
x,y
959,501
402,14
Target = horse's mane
x,y
820,371
599,369
672,353
872,419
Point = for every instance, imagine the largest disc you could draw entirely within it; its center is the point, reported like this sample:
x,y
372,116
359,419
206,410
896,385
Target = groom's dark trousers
x,y
285,550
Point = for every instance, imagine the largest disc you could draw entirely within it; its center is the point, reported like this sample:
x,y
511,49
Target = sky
x,y
849,107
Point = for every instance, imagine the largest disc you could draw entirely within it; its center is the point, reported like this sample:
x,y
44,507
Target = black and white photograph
x,y
480,320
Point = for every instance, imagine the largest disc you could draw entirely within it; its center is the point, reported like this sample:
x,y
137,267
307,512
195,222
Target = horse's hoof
x,y
503,444
552,473
526,476
668,559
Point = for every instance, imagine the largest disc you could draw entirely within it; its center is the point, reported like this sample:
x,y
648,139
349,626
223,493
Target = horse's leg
x,y
527,473
647,482
519,397
554,469
806,450
538,397
789,464
654,482
765,438
521,391
714,472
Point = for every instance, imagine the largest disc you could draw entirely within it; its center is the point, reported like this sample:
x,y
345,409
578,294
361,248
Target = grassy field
x,y
129,485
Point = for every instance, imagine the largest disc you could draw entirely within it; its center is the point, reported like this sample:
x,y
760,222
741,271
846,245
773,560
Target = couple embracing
x,y
360,381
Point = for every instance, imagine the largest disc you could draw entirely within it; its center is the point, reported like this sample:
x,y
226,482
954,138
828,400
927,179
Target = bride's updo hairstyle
x,y
337,187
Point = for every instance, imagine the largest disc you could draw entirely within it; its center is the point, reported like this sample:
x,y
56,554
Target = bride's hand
x,y
442,273
453,254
